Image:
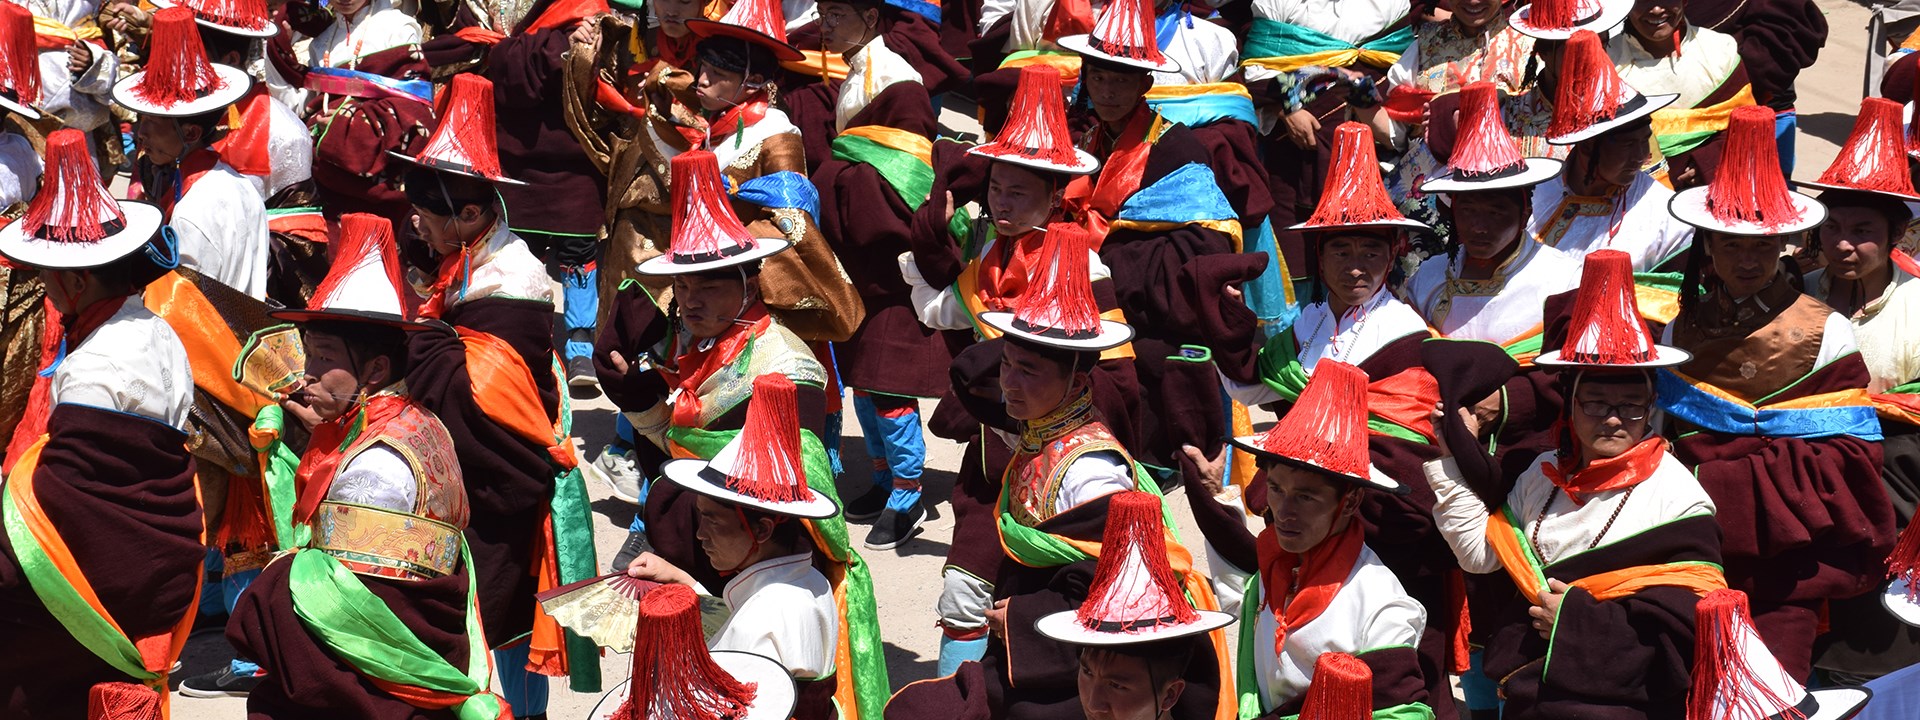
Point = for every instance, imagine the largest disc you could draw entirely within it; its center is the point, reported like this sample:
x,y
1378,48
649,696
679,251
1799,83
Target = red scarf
x,y
453,268
1619,472
329,446
1003,278
695,366
1323,570
1098,200
188,172
735,119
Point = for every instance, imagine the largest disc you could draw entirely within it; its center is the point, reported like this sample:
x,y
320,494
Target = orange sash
x,y
1530,576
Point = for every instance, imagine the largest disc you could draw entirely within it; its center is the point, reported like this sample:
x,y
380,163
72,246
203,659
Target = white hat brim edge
x,y
22,109
1538,170
1088,163
687,473
142,220
237,83
773,699
1912,201
270,30
1690,206
1612,13
1112,334
1895,599
503,180
1663,356
1651,104
1402,223
1839,703
663,265
1065,627
1375,479
1082,44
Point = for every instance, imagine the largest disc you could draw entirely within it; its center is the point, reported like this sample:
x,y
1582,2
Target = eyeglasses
x,y
1625,411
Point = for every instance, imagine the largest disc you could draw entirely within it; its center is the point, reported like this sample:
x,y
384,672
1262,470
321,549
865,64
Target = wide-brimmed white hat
x,y
761,467
706,235
73,223
178,80
1136,597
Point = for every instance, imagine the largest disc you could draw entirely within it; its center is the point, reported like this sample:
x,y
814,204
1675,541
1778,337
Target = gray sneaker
x,y
615,467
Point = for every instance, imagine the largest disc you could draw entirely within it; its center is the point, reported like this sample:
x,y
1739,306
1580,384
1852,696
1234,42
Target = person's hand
x,y
1232,293
1302,128
997,618
299,411
79,56
127,17
1213,471
586,33
947,213
1467,417
653,567
1548,611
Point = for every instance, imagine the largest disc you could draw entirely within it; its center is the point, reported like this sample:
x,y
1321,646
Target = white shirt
x,y
1372,611
221,223
19,169
1645,230
82,102
783,609
870,71
378,27
1350,339
1500,315
504,267
377,477
1887,328
134,364
1207,53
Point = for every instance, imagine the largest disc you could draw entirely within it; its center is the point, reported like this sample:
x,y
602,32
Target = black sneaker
x,y
220,683
636,543
582,382
895,528
868,506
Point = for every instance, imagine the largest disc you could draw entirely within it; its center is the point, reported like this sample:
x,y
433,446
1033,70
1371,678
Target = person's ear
x,y
469,213
191,134
871,18
1172,694
377,372
763,529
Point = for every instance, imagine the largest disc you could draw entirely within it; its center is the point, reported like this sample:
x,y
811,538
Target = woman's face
x,y
1488,223
1354,267
1472,15
1745,264
1656,20
844,27
1019,199
1856,241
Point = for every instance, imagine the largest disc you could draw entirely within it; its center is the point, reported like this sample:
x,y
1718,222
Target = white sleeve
x,y
1462,517
1248,394
1093,476
786,623
1399,621
377,477
936,307
1836,341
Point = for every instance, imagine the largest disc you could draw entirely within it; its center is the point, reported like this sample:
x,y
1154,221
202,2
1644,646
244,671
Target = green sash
x,y
278,466
909,176
1286,46
1038,548
573,545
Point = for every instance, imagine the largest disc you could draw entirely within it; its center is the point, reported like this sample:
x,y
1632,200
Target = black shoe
x,y
636,543
895,528
220,683
581,379
868,506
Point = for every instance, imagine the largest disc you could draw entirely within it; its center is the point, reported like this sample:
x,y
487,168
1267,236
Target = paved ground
x,y
907,578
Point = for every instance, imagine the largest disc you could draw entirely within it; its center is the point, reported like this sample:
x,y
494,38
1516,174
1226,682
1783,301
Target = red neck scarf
x,y
1012,263
77,328
1619,472
695,366
454,271
1323,570
329,446
734,120
188,172
1098,200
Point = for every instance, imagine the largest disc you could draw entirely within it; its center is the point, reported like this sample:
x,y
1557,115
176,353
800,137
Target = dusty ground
x,y
907,579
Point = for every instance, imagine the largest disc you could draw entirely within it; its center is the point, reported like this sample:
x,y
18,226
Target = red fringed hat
x,y
465,142
1136,597
364,282
1735,676
761,467
123,701
19,62
1342,689
1354,196
1124,35
1607,330
707,235
1058,308
1902,596
1559,19
676,676
1591,99
1036,131
1748,195
1485,156
1326,430
758,22
247,18
73,222
178,80
1874,159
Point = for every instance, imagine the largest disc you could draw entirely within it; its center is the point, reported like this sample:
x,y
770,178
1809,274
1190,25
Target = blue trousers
x,y
891,426
524,690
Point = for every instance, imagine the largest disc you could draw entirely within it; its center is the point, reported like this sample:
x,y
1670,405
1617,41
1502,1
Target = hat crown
x,y
1561,14
177,67
1735,676
73,205
123,701
704,226
1484,148
244,14
1606,325
674,675
1589,89
766,465
1327,426
1748,186
19,55
1873,159
1134,587
1059,299
1904,563
365,275
1036,127
1354,193
1125,29
465,139
1342,689
766,17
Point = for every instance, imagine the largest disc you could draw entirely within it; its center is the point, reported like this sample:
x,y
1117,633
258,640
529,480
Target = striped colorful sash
x,y
1286,47
1203,104
903,159
1679,131
1830,414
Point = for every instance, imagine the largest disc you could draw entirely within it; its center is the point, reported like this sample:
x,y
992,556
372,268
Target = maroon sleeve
x,y
1035,660
1777,38
1234,147
634,325
525,69
1633,650
934,249
960,696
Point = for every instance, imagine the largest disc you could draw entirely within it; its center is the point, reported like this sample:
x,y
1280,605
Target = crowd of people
x,y
298,298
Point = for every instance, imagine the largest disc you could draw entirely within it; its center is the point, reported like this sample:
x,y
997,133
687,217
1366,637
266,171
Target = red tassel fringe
x,y
766,17
466,133
1905,561
1036,120
703,222
361,236
673,676
1342,689
1060,298
33,422
72,205
177,68
1328,425
1872,159
1589,92
1134,544
1556,14
1484,147
1126,30
1719,658
1748,186
1353,193
244,525
769,463
234,13
20,54
1606,314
